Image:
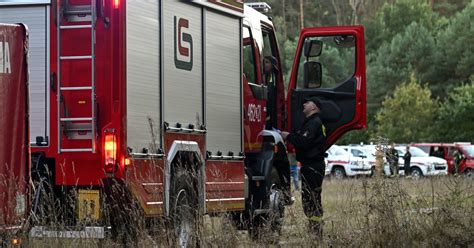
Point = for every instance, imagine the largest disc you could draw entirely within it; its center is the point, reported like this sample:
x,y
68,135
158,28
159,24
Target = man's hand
x,y
284,134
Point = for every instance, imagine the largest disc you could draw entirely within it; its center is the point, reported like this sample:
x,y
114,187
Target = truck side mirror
x,y
312,48
312,74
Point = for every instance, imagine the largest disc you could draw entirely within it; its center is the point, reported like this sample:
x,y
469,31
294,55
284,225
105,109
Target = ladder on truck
x,y
67,17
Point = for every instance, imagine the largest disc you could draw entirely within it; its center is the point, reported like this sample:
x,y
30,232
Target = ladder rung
x,y
77,150
75,57
75,26
77,88
78,119
78,130
78,10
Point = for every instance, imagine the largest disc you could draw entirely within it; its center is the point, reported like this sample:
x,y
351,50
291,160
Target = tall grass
x,y
361,212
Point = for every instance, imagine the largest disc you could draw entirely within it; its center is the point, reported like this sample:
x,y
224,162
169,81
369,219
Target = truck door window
x,y
337,60
250,66
249,58
267,49
451,151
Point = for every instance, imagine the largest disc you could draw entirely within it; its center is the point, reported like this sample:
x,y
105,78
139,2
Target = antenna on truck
x,y
261,7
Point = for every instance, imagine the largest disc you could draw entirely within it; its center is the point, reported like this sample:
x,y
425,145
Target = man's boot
x,y
316,225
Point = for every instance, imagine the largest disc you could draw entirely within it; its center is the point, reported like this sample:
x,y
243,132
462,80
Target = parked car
x,y
341,163
447,150
367,153
421,163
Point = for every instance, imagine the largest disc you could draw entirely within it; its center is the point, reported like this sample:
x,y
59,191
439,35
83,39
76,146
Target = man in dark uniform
x,y
270,70
392,159
458,157
310,143
407,160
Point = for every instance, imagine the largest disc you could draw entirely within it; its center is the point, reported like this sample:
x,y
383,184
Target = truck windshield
x,y
338,151
337,60
415,151
469,150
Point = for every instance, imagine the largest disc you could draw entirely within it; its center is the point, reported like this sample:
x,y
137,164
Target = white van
x,y
342,164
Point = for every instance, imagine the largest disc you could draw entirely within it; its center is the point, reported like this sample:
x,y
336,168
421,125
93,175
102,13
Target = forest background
x,y
420,62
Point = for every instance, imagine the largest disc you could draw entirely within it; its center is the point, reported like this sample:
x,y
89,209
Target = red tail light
x,y
110,152
116,4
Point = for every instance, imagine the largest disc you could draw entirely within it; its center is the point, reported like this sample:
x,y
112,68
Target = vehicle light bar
x,y
261,7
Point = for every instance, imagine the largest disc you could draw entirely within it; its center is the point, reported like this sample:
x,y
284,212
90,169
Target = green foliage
x,y
289,48
411,51
457,48
456,115
355,137
449,7
409,115
392,19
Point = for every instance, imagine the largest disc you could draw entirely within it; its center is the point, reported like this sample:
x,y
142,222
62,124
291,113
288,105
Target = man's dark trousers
x,y
312,175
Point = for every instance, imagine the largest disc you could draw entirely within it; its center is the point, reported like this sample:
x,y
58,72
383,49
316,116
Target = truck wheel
x,y
184,214
338,173
468,172
264,225
239,220
416,173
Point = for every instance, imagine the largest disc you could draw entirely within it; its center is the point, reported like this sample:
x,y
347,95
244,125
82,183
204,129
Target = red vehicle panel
x,y
344,103
446,151
14,148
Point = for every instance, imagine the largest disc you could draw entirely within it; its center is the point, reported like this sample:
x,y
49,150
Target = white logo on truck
x,y
254,112
5,64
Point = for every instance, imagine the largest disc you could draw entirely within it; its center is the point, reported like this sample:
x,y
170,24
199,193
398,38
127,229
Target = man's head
x,y
311,106
270,64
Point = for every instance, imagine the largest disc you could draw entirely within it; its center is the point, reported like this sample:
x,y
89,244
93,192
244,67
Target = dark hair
x,y
273,61
316,101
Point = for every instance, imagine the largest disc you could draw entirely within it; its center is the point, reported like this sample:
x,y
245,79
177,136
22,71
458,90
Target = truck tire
x,y
263,226
468,172
416,173
185,218
239,220
43,202
338,173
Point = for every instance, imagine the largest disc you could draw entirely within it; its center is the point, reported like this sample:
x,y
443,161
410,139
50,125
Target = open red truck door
x,y
330,64
14,132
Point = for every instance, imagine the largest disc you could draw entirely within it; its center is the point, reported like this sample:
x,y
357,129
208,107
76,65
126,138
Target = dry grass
x,y
369,212
363,212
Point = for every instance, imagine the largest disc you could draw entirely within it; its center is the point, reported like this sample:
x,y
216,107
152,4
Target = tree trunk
x,y
301,14
283,11
357,10
432,3
338,13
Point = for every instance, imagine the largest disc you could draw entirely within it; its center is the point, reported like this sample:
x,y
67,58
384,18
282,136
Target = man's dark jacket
x,y
309,141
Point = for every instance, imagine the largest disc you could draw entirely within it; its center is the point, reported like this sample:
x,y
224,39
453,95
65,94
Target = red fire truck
x,y
14,145
164,105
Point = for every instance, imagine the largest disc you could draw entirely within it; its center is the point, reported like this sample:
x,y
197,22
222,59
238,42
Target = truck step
x,y
76,88
75,57
75,26
77,150
77,119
